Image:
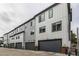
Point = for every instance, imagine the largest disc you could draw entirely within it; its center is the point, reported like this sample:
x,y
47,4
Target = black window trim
x,y
41,29
31,33
41,18
31,23
56,26
49,13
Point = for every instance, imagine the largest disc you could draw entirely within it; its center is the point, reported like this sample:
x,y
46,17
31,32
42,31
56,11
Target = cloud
x,y
5,17
75,17
14,14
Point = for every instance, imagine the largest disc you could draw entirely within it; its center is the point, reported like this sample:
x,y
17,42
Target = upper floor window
x,y
53,27
57,26
31,23
17,30
42,29
42,17
31,33
51,13
18,37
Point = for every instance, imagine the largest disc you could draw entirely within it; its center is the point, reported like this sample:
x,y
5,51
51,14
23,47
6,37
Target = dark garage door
x,y
30,45
50,45
19,45
11,45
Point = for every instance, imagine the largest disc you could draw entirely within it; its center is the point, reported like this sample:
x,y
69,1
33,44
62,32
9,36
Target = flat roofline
x,y
53,5
34,17
19,25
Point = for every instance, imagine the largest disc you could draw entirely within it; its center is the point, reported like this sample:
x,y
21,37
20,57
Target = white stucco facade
x,y
60,13
28,30
23,32
5,42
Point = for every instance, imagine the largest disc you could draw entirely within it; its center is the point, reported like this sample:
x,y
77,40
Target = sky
x,y
75,17
14,14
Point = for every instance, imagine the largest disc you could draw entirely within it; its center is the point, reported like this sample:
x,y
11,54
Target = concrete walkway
x,y
19,52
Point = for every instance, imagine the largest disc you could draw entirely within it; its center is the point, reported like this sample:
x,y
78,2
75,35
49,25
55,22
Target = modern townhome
x,y
48,30
53,28
22,36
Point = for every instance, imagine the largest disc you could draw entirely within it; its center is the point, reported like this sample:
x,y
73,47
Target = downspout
x,y
69,26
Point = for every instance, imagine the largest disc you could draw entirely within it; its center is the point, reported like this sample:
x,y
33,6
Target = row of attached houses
x,y
22,36
48,30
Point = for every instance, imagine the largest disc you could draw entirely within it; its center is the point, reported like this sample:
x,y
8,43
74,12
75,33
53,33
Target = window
x,y
51,13
57,26
18,37
42,17
17,30
42,29
54,27
32,33
31,23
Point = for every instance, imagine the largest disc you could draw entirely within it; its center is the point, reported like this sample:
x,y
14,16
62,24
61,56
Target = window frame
x,y
42,29
31,33
53,30
31,23
18,37
49,12
59,29
40,17
56,24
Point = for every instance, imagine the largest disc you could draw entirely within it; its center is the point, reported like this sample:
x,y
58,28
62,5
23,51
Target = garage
x,y
19,45
53,45
11,45
30,45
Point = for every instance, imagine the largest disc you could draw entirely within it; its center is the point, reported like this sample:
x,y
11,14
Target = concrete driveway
x,y
19,52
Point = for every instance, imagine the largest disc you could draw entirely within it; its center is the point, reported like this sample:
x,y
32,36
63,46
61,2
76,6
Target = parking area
x,y
19,52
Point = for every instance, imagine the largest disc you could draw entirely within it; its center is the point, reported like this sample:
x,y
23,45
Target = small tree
x,y
73,38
